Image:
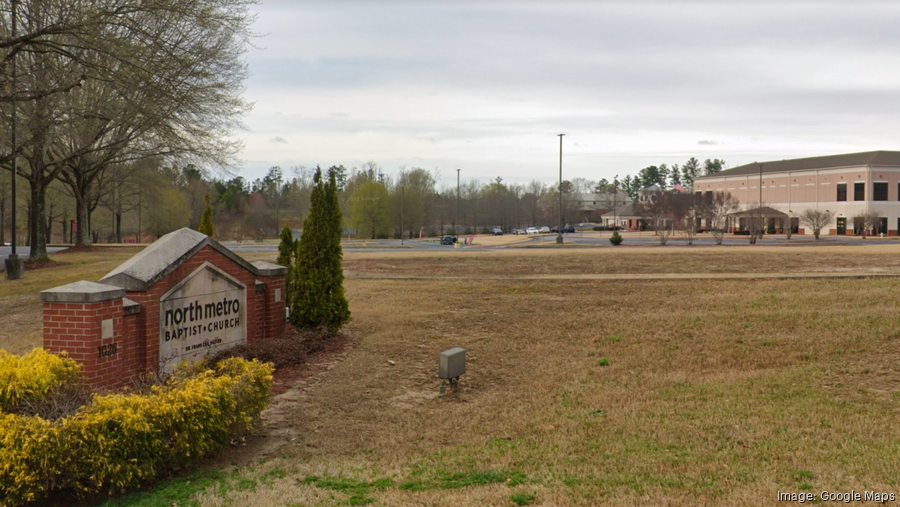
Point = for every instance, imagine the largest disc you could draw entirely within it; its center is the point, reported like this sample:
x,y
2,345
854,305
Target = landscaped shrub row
x,y
120,442
32,377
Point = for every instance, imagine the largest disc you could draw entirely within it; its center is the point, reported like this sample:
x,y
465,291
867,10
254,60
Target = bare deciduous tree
x,y
721,205
866,221
816,219
172,69
659,210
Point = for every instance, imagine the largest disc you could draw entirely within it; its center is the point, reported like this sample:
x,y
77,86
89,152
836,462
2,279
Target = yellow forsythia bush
x,y
120,442
32,376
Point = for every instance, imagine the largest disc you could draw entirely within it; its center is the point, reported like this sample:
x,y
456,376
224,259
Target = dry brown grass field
x,y
518,262
20,305
585,392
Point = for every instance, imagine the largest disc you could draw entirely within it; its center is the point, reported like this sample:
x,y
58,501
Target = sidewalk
x,y
641,276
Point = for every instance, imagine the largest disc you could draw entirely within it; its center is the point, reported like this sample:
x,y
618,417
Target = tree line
x,y
147,198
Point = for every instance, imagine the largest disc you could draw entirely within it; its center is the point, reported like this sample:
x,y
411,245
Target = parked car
x,y
448,240
554,229
532,230
521,231
544,230
570,229
496,231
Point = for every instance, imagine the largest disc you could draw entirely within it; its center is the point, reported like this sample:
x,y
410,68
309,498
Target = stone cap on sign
x,y
131,307
82,292
162,257
268,269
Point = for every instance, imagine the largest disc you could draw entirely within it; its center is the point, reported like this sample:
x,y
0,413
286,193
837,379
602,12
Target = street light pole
x,y
456,229
559,238
615,203
401,215
15,267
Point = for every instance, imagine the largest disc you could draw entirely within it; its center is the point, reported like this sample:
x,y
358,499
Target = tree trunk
x,y
2,222
83,232
118,217
36,221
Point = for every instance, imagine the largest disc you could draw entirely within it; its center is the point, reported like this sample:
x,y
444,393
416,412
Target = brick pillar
x,y
273,318
86,320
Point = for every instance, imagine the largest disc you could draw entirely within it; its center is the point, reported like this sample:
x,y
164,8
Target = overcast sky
x,y
486,86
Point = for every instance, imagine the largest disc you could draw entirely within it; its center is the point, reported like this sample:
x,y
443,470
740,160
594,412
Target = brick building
x,y
846,185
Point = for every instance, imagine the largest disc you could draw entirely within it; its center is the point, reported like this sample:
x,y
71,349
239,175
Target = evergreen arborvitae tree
x,y
206,225
317,292
287,252
286,248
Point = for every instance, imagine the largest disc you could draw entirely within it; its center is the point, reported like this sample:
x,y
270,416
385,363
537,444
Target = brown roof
x,y
876,158
627,211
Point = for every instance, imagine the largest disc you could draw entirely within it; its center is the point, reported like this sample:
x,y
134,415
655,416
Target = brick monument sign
x,y
180,299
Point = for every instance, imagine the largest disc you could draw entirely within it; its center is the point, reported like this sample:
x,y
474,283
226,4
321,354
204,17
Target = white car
x,y
545,230
532,230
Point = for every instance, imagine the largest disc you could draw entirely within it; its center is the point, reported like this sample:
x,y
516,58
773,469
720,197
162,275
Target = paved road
x,y
23,252
631,239
707,240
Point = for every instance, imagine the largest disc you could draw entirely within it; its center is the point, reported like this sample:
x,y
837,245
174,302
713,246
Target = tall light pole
x,y
456,229
615,203
15,267
401,215
559,238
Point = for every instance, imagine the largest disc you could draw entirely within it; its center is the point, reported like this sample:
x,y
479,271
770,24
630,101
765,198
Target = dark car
x,y
448,240
555,229
496,231
570,229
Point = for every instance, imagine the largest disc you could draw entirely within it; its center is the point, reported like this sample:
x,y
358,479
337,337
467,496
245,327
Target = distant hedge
x,y
121,442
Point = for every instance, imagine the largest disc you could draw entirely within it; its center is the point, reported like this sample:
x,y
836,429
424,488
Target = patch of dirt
x,y
33,265
290,386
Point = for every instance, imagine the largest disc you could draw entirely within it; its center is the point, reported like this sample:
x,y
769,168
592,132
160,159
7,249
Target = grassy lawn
x,y
584,393
20,304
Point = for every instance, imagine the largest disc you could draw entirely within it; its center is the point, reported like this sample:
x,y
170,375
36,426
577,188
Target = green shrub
x,y
616,238
603,362
120,442
33,376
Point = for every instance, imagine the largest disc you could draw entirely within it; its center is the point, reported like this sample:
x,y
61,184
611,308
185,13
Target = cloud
x,y
278,139
489,84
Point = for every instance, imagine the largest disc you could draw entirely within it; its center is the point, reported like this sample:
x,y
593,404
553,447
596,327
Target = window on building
x,y
859,191
841,191
879,191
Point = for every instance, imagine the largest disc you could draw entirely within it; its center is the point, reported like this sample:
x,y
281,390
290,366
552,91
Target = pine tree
x,y
206,225
317,297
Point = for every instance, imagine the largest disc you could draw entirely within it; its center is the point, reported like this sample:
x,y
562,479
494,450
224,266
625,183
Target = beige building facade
x,y
844,184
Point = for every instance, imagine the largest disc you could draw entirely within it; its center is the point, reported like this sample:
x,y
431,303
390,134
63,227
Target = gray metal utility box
x,y
452,363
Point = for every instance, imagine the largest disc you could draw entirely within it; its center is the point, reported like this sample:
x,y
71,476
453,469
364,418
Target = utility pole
x,y
615,203
401,214
559,238
456,229
15,267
